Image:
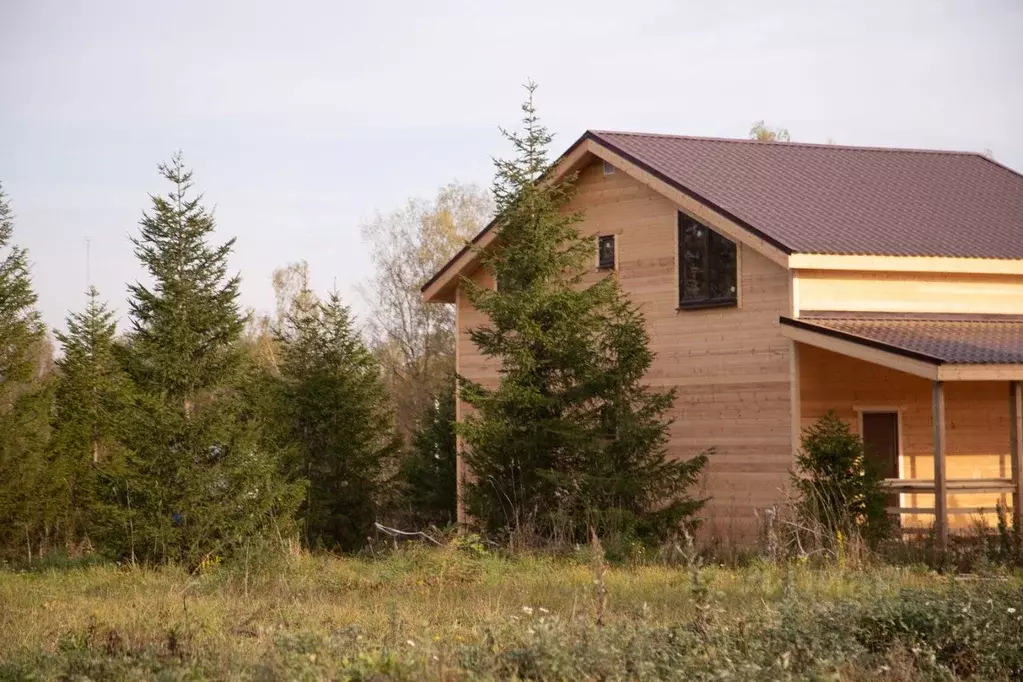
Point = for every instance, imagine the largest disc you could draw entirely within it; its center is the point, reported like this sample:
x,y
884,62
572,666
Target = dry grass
x,y
444,613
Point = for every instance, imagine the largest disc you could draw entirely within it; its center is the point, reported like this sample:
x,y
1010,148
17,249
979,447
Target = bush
x,y
972,635
839,491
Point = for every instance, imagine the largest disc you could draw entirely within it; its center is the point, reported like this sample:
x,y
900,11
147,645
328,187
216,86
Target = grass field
x,y
452,614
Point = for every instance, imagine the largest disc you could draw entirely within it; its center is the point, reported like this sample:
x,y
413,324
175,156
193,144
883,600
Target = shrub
x,y
974,635
839,491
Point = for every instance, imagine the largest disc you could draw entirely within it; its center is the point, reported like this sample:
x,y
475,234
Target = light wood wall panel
x,y
977,421
898,292
469,362
731,366
472,363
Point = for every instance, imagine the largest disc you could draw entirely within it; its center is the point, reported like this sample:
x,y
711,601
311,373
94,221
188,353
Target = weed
x,y
447,613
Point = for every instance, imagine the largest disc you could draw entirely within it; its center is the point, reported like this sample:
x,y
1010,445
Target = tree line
x,y
202,429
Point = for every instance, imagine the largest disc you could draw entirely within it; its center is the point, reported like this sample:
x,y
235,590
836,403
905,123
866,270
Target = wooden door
x,y
881,446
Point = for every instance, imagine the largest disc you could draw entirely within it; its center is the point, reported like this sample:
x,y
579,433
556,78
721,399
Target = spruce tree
x,y
21,330
335,406
540,329
570,436
185,328
839,490
631,487
31,504
26,486
91,396
428,471
198,482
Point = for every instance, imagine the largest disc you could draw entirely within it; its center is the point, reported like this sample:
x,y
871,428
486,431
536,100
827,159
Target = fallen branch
x,y
394,532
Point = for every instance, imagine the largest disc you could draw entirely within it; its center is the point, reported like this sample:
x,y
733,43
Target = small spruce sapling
x,y
838,488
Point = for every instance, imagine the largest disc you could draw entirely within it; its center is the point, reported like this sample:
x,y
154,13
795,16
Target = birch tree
x,y
414,340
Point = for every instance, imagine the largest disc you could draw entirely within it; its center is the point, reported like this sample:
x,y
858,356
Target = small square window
x,y
606,252
609,169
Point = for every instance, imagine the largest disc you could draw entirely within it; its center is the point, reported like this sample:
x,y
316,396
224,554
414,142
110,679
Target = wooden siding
x,y
471,362
731,366
977,421
900,292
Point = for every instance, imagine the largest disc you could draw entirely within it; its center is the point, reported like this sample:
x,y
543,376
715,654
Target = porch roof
x,y
936,346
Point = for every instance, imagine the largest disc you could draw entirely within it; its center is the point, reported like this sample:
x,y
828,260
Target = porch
x,y
938,400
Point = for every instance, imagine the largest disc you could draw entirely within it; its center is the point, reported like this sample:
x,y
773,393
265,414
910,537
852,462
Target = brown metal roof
x,y
937,338
832,199
829,199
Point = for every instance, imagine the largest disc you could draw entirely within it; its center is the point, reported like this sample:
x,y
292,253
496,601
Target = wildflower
x,y
528,610
543,610
1011,610
410,642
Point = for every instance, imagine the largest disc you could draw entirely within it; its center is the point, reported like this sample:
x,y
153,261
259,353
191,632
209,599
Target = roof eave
x,y
894,357
441,287
880,263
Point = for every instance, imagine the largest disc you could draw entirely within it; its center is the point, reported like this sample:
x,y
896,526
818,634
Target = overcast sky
x,y
301,119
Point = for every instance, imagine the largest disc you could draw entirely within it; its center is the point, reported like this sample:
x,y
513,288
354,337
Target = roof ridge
x,y
816,145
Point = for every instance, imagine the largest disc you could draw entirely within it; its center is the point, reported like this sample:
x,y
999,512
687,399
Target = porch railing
x,y
907,486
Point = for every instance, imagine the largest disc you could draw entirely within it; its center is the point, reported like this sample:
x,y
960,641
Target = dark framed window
x,y
606,252
707,266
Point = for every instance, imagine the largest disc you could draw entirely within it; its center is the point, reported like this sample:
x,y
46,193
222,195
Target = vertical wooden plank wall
x,y
470,363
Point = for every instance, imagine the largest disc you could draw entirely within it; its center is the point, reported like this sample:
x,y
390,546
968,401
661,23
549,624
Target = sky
x,y
302,120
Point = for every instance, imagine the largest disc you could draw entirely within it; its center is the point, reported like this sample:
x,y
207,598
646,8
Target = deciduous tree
x,y
760,131
414,340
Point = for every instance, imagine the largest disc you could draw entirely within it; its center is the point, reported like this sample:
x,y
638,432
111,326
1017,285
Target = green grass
x,y
445,614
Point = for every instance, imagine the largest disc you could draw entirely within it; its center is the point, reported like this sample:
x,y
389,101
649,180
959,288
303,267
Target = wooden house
x,y
782,280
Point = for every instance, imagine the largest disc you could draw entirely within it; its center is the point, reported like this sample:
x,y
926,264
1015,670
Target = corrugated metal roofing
x,y
829,199
955,339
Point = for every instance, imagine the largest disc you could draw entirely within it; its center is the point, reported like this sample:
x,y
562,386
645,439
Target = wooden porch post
x,y
1016,451
940,484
